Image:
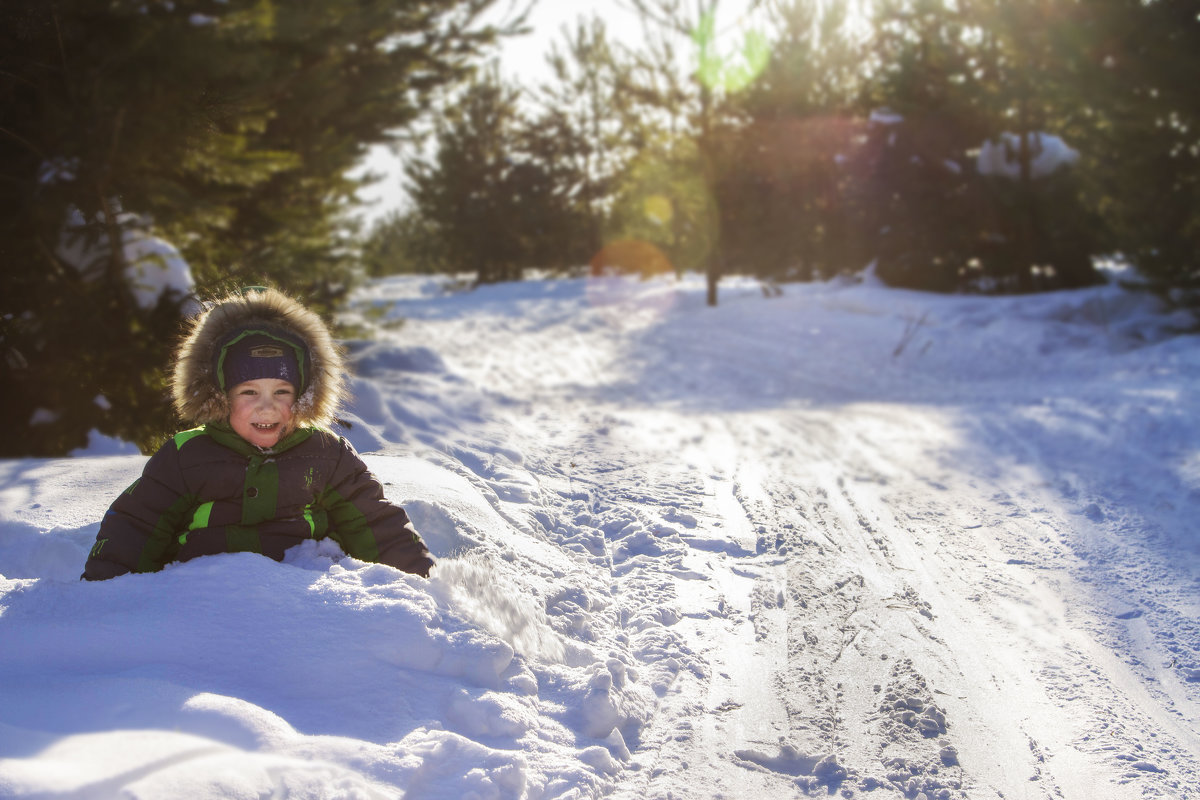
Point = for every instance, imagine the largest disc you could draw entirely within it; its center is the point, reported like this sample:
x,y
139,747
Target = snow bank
x,y
1001,156
154,267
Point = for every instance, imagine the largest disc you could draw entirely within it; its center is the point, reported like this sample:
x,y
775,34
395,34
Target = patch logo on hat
x,y
266,351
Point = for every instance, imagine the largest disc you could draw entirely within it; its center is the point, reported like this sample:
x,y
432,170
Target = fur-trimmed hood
x,y
197,393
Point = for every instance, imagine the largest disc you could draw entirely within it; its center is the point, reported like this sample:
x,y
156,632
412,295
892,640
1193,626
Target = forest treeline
x,y
981,145
974,145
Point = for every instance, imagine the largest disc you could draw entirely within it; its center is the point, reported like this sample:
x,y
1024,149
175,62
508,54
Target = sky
x,y
843,540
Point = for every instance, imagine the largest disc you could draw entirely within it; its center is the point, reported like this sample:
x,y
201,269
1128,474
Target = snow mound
x,y
1048,153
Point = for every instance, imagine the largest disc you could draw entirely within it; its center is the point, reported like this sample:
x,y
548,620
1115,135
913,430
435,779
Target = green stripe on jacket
x,y
161,543
350,527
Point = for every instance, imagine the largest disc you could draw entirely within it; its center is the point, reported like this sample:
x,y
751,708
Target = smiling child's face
x,y
261,410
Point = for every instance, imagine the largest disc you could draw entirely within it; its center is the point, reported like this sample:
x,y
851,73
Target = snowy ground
x,y
849,541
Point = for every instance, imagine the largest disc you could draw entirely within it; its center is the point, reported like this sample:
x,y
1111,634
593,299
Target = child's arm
x,y
366,524
138,532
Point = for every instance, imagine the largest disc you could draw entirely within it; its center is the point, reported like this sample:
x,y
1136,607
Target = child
x,y
262,377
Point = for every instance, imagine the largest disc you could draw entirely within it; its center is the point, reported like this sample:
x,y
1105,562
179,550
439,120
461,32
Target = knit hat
x,y
250,353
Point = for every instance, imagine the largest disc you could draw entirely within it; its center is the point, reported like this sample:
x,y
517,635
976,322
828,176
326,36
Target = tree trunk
x,y
708,161
1027,212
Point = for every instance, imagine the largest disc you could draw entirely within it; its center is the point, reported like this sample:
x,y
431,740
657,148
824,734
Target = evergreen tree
x,y
586,124
495,192
1032,59
787,191
227,127
958,76
404,243
346,75
914,191
1138,120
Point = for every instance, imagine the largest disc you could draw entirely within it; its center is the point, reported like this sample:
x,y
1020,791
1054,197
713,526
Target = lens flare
x,y
630,257
658,209
636,275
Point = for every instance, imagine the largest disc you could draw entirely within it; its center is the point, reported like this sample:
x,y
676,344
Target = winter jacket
x,y
209,491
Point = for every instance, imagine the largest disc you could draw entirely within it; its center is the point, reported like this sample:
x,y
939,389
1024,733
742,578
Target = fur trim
x,y
197,394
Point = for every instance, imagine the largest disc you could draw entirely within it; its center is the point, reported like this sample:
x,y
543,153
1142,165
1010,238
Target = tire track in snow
x,y
872,537
1008,721
855,699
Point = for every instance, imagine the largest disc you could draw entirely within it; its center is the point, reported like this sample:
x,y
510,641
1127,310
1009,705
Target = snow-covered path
x,y
845,541
875,573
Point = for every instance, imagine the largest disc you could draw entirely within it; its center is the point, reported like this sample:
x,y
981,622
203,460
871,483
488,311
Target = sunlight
x,y
736,69
857,15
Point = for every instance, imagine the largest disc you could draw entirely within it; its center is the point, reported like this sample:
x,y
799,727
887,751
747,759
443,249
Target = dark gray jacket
x,y
209,491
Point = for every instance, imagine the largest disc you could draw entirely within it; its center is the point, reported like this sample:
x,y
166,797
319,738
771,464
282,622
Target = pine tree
x,y
1032,59
960,75
345,75
586,125
225,126
1138,117
404,242
914,192
789,209
492,192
